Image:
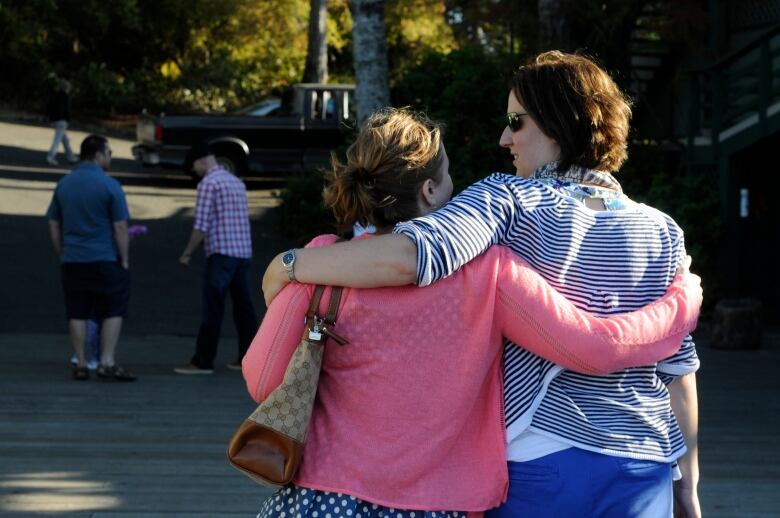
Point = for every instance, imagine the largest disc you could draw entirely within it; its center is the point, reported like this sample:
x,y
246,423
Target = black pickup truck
x,y
275,137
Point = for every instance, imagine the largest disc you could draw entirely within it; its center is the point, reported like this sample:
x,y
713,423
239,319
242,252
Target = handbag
x,y
267,447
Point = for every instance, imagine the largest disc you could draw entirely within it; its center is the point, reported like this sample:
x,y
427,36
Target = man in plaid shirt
x,y
222,223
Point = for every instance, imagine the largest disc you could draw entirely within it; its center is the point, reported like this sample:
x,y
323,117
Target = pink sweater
x,y
409,414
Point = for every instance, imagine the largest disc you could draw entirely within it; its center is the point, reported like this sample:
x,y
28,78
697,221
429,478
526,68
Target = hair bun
x,y
362,175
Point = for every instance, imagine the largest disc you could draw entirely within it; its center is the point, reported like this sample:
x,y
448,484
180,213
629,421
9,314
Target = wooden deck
x,y
156,448
152,448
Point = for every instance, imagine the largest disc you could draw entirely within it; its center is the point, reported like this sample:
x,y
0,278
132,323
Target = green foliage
x,y
302,213
497,26
690,198
207,55
415,29
23,43
466,89
103,86
174,55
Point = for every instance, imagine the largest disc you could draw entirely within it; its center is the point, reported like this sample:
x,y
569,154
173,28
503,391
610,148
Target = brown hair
x,y
577,104
394,153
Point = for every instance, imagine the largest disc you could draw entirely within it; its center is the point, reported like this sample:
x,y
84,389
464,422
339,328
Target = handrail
x,y
744,50
713,97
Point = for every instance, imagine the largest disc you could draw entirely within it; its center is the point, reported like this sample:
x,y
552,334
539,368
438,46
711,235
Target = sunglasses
x,y
514,121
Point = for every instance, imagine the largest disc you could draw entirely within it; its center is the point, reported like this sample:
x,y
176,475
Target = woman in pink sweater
x,y
408,420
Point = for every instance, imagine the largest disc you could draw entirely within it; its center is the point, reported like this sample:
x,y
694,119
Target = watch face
x,y
288,258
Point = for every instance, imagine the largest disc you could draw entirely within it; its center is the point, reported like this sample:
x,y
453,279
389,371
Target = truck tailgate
x,y
145,129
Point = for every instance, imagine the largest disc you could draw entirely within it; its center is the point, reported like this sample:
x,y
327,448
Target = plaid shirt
x,y
222,214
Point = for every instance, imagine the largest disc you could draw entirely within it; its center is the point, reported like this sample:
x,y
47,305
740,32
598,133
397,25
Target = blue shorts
x,y
576,483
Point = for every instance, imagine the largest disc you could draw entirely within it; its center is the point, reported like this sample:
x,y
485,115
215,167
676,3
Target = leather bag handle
x,y
315,303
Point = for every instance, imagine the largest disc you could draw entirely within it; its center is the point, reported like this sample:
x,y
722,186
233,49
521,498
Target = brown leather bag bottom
x,y
264,454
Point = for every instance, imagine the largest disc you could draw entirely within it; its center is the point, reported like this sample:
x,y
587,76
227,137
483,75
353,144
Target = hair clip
x,y
387,201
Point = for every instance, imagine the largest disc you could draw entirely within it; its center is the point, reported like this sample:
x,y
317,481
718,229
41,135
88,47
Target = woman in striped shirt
x,y
578,445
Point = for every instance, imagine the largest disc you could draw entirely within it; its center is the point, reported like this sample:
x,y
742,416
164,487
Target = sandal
x,y
80,373
116,372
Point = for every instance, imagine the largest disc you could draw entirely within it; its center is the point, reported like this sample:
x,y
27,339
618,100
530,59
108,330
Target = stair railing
x,y
744,82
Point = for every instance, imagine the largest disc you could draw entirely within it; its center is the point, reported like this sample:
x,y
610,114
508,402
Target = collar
x,y
214,169
579,175
88,167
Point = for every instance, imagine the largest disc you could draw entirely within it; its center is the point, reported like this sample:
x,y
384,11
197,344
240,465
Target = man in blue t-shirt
x,y
88,228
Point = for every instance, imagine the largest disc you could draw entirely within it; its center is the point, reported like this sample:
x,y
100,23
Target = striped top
x,y
222,213
605,262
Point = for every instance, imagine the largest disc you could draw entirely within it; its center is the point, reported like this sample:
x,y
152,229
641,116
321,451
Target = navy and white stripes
x,y
603,261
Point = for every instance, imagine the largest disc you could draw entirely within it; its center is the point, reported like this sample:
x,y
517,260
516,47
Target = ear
x,y
427,193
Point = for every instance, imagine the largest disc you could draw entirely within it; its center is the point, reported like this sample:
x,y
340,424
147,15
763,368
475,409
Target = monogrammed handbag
x,y
267,447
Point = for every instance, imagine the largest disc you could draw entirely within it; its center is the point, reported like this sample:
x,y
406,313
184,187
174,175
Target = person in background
x,y
222,224
94,325
88,229
59,114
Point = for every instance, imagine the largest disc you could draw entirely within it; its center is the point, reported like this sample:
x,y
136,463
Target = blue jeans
x,y
225,274
576,483
60,136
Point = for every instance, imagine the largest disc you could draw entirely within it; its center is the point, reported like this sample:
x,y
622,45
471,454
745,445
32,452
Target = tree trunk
x,y
553,33
316,70
370,56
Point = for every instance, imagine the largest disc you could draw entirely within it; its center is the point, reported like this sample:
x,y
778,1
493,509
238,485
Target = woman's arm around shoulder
x,y
373,262
538,318
482,215
489,209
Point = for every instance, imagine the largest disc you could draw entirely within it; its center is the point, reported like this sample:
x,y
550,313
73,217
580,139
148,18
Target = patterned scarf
x,y
577,174
582,184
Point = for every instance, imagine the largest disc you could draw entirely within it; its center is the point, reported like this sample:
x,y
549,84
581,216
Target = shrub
x,y
651,177
467,90
100,88
302,213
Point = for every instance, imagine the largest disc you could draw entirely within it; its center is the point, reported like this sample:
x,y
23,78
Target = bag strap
x,y
335,299
333,307
315,303
329,322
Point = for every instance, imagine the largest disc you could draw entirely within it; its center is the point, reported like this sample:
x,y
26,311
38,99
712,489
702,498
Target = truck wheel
x,y
231,162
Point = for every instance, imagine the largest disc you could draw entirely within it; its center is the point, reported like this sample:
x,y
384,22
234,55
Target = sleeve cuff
x,y
424,274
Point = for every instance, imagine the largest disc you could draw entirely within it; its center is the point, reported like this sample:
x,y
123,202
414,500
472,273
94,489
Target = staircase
x,y
736,101
647,50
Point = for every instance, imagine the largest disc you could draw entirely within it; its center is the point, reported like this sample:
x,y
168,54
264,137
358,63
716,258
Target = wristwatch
x,y
288,263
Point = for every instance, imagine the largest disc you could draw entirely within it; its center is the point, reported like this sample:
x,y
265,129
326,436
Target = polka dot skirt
x,y
292,501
